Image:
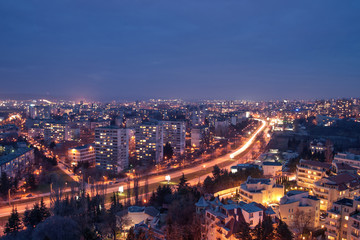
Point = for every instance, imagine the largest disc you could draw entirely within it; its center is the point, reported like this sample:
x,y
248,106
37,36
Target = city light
x,y
167,178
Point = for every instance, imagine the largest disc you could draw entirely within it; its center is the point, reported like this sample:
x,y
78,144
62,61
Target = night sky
x,y
196,49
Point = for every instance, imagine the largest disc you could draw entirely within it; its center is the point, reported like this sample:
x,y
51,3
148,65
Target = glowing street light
x,y
121,189
167,178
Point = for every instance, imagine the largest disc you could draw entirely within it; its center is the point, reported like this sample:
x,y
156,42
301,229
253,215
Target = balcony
x,y
354,234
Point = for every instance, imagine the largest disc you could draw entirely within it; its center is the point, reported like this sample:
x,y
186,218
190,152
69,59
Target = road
x,y
201,172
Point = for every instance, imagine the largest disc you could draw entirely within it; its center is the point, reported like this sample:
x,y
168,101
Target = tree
x,y
57,228
183,182
36,215
303,221
264,230
168,151
30,181
44,211
208,185
283,232
5,184
14,223
216,172
244,232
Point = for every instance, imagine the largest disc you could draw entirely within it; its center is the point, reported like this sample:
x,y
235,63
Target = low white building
x,y
271,168
261,190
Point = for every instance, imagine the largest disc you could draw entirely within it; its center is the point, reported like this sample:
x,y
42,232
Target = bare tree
x,y
303,221
328,151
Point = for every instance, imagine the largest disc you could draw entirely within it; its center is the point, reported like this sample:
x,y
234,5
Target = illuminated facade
x,y
39,112
308,172
17,161
295,201
261,190
56,131
82,154
174,133
342,221
111,148
331,189
149,142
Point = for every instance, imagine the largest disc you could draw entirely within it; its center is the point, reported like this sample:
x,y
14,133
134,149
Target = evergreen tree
x,y
216,172
244,232
182,182
5,184
44,211
283,232
14,223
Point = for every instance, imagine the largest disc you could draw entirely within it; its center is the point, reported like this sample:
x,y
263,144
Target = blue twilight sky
x,y
192,49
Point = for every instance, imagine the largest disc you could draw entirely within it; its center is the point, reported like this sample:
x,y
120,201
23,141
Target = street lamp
x,y
167,178
121,189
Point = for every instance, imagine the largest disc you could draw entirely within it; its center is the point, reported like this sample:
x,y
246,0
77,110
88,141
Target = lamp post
x,y
167,178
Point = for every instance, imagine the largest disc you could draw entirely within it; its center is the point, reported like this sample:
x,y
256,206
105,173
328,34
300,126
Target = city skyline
x,y
194,50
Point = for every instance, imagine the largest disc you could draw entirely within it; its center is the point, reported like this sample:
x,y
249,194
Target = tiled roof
x,y
315,163
201,202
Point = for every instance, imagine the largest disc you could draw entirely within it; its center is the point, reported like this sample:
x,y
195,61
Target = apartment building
x,y
297,201
82,154
111,148
57,131
337,223
199,136
223,221
308,172
261,190
348,158
17,161
174,132
331,189
149,142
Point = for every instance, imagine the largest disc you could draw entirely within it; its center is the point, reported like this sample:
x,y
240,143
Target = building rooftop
x,y
251,180
17,153
315,163
294,192
343,166
201,202
82,147
251,207
270,163
345,202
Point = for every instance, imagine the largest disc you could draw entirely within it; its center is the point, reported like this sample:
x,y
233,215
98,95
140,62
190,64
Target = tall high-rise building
x,y
56,131
39,112
174,133
111,148
149,142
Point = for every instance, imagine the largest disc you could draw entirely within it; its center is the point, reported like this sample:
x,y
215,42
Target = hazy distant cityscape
x,y
174,169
